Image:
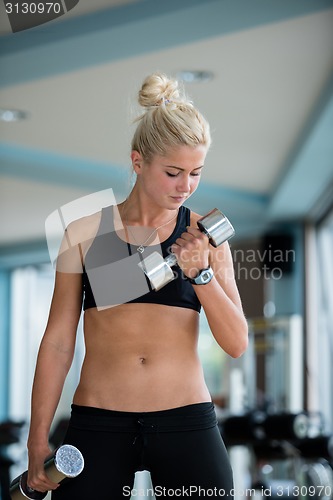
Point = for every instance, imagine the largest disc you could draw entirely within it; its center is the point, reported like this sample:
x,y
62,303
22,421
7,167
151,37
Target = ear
x,y
137,161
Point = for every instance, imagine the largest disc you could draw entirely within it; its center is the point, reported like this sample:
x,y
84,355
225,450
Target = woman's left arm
x,y
219,298
222,304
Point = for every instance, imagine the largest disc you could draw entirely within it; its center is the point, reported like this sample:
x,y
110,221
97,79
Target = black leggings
x,y
182,448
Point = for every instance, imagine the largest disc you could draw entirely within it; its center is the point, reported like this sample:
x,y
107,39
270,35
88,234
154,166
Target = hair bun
x,y
156,89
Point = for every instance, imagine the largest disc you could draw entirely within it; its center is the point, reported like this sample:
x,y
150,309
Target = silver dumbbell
x,y
158,270
66,461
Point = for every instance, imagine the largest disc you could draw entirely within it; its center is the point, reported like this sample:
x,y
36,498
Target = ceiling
x,y
270,105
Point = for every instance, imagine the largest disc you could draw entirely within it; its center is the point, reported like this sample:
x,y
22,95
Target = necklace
x,y
142,246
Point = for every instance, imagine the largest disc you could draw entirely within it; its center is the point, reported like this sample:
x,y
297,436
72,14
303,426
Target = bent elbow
x,y
242,343
238,351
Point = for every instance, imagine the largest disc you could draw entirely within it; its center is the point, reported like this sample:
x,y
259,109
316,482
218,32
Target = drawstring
x,y
140,434
143,427
143,434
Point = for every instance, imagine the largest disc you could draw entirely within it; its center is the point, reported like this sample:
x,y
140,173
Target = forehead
x,y
184,157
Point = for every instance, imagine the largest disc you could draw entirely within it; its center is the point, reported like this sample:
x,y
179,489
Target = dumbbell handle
x,y
171,260
66,461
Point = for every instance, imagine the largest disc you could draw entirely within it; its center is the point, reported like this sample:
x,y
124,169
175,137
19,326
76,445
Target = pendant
x,y
141,249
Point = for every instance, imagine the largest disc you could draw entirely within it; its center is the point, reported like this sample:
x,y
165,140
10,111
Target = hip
x,y
197,416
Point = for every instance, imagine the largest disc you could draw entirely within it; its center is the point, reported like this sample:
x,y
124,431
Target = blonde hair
x,y
170,120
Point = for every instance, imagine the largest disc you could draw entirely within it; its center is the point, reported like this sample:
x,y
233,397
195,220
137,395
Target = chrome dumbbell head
x,y
216,226
158,270
67,462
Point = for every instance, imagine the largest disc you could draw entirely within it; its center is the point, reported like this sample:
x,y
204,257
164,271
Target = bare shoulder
x,y
83,229
77,238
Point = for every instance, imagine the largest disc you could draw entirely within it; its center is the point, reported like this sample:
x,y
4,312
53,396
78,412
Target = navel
x,y
142,360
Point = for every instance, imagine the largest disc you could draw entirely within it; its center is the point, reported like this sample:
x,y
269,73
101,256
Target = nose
x,y
184,185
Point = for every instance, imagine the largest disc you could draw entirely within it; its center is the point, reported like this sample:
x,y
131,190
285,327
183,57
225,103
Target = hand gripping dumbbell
x,y
158,270
66,462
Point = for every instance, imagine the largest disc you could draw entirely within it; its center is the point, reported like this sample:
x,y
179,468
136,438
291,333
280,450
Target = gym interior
x,y
262,74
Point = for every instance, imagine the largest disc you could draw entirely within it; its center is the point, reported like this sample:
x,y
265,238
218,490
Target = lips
x,y
178,199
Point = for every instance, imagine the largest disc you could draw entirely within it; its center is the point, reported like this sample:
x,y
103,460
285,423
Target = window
x,y
325,318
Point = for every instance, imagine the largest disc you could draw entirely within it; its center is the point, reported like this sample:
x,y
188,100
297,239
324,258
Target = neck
x,y
138,210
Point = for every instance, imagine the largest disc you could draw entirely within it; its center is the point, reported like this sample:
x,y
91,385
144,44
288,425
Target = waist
x,y
142,385
184,418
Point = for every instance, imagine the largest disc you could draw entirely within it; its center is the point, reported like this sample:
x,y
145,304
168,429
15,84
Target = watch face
x,y
205,276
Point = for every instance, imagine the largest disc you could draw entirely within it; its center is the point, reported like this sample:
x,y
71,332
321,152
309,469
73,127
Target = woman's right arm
x,y
54,360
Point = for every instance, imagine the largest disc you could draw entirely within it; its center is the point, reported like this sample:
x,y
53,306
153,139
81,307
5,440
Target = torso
x,y
141,357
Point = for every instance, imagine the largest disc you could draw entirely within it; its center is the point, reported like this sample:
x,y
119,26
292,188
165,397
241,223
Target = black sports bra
x,y
111,274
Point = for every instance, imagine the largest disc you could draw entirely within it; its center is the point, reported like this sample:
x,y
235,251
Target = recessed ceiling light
x,y
12,115
195,76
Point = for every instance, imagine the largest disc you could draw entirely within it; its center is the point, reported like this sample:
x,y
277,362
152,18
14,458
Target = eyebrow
x,y
182,169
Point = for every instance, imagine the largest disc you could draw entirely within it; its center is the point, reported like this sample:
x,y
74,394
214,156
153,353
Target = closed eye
x,y
176,175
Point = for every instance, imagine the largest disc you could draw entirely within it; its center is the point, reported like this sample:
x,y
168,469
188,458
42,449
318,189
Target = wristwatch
x,y
204,276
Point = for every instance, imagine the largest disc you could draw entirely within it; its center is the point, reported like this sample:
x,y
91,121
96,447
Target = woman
x,y
141,402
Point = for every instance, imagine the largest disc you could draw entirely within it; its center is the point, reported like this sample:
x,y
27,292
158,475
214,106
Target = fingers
x,y
193,236
37,478
194,231
40,482
191,239
192,252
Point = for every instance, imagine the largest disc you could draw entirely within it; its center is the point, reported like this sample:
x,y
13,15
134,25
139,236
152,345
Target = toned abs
x,y
137,354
